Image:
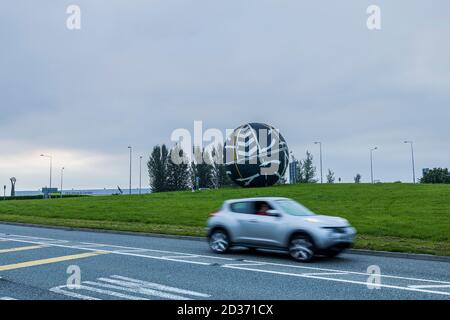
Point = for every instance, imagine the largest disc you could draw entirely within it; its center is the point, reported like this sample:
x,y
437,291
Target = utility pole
x,y
412,161
129,147
51,166
62,177
371,163
140,174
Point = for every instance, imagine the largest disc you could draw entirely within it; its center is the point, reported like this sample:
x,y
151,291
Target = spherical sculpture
x,y
256,155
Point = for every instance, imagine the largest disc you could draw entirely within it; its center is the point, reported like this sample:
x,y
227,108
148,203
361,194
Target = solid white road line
x,y
119,252
7,298
432,286
161,287
244,264
185,256
300,275
350,272
324,273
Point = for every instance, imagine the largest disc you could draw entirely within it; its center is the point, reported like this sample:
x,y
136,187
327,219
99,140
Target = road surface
x,y
43,263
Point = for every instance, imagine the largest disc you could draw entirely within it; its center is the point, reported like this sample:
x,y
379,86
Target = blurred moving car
x,y
277,223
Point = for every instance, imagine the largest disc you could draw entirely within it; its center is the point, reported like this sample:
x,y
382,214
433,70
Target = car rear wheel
x,y
301,248
219,241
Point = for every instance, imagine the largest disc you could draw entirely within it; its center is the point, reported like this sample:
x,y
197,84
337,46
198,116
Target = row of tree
x,y
202,172
306,172
436,175
183,174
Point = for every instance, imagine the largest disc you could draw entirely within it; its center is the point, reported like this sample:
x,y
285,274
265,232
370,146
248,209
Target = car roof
x,y
256,199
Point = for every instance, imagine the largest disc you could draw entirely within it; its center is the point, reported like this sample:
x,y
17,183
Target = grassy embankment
x,y
393,217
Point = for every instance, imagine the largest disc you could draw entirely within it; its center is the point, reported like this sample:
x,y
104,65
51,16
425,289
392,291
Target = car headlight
x,y
313,220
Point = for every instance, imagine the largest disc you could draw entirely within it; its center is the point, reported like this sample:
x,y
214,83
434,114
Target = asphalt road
x,y
36,263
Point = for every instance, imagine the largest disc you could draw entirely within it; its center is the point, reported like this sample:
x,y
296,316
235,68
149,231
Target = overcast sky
x,y
137,70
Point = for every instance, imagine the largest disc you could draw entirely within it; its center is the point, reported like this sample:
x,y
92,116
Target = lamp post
x,y
371,163
140,174
131,149
62,177
321,172
412,160
51,166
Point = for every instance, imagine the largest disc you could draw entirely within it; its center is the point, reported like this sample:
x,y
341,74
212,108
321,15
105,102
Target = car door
x,y
254,228
243,213
265,228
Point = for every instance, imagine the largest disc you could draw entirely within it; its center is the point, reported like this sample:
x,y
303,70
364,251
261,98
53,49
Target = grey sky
x,y
137,70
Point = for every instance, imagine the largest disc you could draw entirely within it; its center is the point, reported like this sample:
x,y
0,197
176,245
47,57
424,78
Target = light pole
x,y
371,163
131,149
62,177
412,160
321,172
51,166
140,174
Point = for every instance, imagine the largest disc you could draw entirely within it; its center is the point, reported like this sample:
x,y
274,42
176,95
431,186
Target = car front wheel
x,y
301,248
219,241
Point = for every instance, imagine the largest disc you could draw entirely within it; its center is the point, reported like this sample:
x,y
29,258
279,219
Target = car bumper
x,y
330,239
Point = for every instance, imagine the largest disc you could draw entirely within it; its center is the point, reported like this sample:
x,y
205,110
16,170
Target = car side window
x,y
242,207
262,208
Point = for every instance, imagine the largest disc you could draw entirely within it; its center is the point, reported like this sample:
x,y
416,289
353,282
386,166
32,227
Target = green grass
x,y
392,217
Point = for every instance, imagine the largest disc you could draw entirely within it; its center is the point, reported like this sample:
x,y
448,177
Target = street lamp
x,y
62,177
140,174
412,160
371,163
131,149
321,172
51,166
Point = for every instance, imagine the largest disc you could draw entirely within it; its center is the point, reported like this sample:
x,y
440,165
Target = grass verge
x,y
389,217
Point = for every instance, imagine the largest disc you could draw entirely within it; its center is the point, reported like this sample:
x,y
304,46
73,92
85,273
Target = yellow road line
x,y
21,249
50,260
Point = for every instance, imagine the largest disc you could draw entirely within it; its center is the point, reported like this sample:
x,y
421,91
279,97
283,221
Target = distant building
x,y
293,171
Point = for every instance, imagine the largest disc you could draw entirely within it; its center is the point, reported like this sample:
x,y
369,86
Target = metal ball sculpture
x,y
256,155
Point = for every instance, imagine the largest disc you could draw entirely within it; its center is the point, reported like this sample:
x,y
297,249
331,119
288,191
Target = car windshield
x,y
294,208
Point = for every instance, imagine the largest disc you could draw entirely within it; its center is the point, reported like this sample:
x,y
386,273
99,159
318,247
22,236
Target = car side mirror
x,y
273,213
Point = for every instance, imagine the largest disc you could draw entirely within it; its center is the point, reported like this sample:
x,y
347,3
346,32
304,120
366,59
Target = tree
x,y
157,167
357,178
220,177
177,171
306,170
436,175
202,169
330,176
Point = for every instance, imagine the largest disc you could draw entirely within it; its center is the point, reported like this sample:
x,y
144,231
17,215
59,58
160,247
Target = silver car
x,y
277,223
